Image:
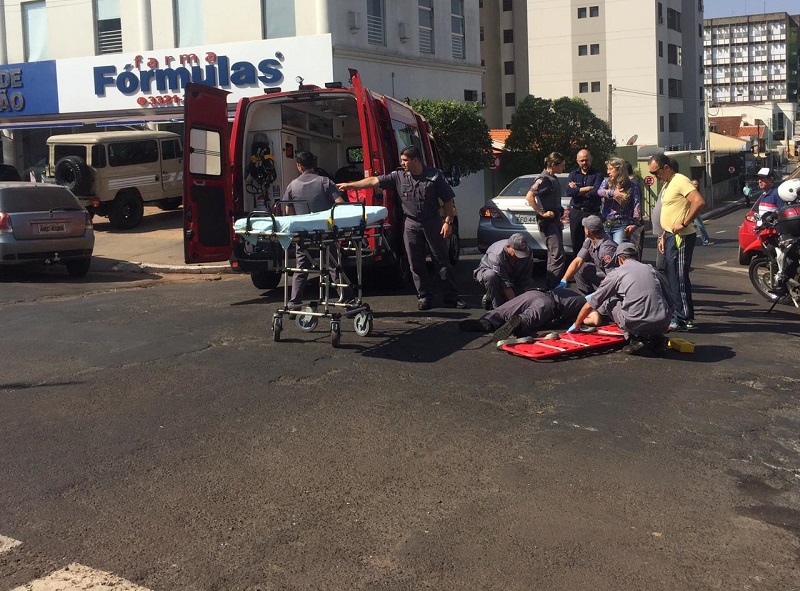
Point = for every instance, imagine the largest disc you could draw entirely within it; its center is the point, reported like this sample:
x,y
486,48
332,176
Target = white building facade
x,y
88,64
636,62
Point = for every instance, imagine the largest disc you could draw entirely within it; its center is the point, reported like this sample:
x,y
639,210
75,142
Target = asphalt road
x,y
150,428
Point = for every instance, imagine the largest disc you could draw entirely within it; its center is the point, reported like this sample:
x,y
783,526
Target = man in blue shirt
x,y
770,202
582,186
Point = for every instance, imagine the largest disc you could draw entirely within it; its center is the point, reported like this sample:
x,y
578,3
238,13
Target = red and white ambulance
x,y
230,171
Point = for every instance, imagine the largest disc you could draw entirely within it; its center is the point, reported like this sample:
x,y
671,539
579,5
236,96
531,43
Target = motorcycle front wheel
x,y
762,275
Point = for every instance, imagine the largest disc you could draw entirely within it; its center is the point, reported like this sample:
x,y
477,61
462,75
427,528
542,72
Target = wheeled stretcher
x,y
320,233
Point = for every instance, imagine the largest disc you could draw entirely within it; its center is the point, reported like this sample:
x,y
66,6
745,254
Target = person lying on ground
x,y
529,312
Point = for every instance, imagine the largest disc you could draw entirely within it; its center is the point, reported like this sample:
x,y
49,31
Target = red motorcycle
x,y
778,240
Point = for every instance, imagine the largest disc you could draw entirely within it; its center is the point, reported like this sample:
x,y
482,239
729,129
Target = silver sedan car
x,y
508,213
44,224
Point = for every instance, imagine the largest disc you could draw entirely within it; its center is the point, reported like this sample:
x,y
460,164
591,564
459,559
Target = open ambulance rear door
x,y
207,182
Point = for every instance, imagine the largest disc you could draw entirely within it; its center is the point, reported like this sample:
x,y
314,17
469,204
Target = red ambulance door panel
x,y
207,183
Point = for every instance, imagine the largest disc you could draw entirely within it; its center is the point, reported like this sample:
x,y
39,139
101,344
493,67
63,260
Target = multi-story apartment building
x,y
83,64
636,62
751,69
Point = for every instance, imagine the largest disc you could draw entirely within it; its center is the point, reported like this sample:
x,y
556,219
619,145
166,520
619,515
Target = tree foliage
x,y
460,131
567,125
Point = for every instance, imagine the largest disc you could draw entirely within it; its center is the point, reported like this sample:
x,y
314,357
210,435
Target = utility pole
x,y
707,134
610,109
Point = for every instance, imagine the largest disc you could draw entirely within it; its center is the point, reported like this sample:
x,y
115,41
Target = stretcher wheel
x,y
363,323
277,327
336,333
306,322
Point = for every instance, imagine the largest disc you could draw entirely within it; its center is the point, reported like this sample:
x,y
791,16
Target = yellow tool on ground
x,y
680,345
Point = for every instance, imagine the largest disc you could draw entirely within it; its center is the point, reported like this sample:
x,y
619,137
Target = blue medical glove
x,y
572,328
562,284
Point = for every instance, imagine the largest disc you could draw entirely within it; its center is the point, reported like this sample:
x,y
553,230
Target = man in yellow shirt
x,y
681,203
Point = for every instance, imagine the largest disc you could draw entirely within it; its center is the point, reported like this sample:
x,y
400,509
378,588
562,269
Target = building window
x,y
661,123
508,68
471,95
511,99
582,12
277,19
700,30
376,15
507,5
481,33
673,20
34,30
660,13
594,49
188,23
675,87
582,49
109,26
595,87
594,11
508,35
426,26
674,122
661,86
660,49
583,87
674,54
457,22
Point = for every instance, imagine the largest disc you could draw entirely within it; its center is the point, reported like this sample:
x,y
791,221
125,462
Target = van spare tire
x,y
72,173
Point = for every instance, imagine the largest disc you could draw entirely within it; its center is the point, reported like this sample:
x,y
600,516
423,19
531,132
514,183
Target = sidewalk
x,y
156,245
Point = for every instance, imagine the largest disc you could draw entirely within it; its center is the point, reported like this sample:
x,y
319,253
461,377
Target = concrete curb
x,y
134,267
724,209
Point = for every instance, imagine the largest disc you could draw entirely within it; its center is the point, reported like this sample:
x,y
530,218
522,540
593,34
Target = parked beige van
x,y
116,173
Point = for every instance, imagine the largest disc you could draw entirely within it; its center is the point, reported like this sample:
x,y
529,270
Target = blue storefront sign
x,y
28,89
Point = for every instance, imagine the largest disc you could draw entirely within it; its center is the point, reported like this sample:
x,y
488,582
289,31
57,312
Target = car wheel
x,y
265,279
72,173
126,211
78,268
745,257
454,246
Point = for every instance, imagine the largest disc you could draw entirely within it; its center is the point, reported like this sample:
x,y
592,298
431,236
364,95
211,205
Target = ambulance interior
x,y
328,127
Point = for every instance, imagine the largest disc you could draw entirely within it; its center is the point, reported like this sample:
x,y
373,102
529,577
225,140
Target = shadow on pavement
x,y
151,222
57,273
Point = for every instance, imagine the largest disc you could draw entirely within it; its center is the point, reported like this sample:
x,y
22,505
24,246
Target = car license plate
x,y
526,219
52,228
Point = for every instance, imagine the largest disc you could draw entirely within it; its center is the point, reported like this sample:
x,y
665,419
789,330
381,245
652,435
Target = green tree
x,y
460,131
567,125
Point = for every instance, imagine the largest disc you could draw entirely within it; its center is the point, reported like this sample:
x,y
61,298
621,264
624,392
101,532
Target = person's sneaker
x,y
475,325
424,305
657,346
460,304
633,348
509,328
486,303
690,325
676,326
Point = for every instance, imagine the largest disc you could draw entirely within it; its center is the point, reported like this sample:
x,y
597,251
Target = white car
x,y
508,213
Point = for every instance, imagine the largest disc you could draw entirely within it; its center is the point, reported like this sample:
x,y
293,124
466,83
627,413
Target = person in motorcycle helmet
x,y
788,224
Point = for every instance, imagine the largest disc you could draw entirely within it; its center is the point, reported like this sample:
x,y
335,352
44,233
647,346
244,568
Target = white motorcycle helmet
x,y
789,191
